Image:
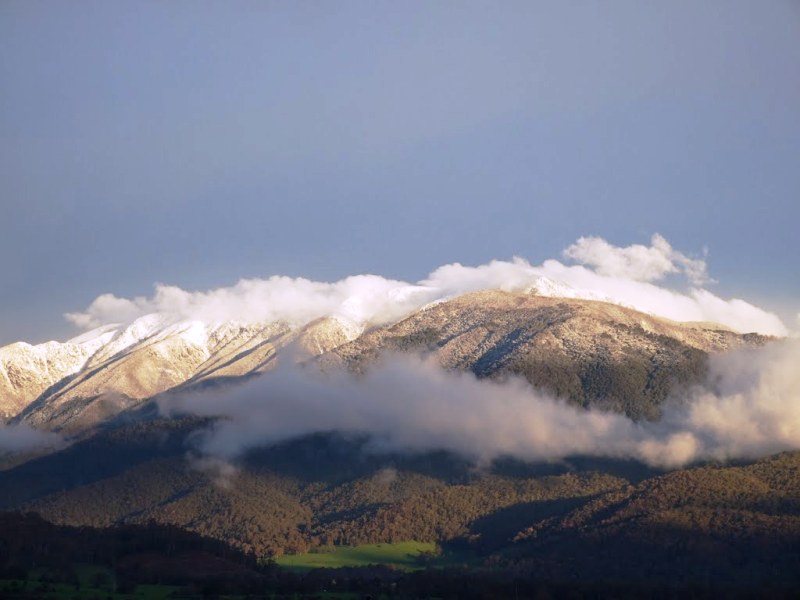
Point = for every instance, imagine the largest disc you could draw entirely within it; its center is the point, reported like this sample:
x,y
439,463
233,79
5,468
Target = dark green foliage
x,y
710,524
264,508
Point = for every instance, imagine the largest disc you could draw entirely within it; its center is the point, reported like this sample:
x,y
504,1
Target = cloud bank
x,y
750,408
624,275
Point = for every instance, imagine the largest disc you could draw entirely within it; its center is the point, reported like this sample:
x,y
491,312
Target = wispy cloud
x,y
20,438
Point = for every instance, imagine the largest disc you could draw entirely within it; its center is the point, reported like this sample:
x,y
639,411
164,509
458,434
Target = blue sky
x,y
195,143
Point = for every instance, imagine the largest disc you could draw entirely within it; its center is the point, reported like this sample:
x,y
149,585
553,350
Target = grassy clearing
x,y
404,555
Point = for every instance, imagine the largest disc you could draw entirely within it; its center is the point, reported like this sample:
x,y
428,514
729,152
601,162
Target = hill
x,y
592,353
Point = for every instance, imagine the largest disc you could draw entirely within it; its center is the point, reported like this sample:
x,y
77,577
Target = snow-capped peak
x,y
550,288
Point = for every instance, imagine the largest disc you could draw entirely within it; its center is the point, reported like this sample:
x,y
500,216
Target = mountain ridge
x,y
553,341
585,351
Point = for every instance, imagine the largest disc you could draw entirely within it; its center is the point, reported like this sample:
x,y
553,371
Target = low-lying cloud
x,y
624,275
21,438
751,407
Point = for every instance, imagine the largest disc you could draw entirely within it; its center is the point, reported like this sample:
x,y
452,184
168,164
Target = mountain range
x,y
585,350
124,462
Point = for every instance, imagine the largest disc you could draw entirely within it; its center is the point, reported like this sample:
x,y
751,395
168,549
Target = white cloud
x,y
753,407
637,262
407,403
107,309
621,275
695,305
294,300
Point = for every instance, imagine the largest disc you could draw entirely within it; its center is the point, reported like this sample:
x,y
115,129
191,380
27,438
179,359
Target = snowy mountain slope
x,y
549,288
108,373
549,327
26,371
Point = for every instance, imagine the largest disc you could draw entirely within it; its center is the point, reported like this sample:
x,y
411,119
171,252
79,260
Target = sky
x,y
194,144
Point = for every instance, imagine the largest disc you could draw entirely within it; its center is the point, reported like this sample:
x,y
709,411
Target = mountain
x,y
585,350
713,522
27,371
590,352
87,380
596,519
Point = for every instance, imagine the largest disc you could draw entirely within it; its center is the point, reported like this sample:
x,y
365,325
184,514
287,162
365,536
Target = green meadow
x,y
406,556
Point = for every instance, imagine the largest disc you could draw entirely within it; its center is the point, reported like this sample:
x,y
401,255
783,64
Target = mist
x,y
22,438
636,276
749,407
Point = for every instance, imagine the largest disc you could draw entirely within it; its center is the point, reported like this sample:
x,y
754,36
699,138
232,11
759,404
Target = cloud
x,y
579,281
695,305
406,404
637,262
294,300
21,438
221,472
750,408
621,275
107,309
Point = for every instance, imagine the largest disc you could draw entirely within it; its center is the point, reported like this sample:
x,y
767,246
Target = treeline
x,y
264,513
723,522
205,568
322,491
487,512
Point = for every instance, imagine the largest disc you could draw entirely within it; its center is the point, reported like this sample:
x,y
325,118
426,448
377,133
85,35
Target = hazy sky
x,y
194,143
